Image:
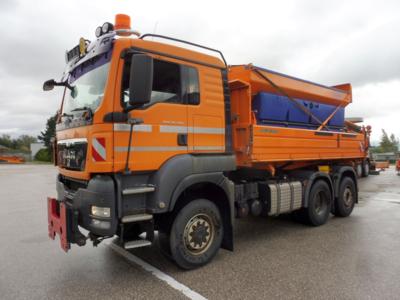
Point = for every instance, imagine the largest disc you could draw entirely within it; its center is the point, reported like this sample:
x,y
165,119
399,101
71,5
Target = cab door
x,y
206,114
163,132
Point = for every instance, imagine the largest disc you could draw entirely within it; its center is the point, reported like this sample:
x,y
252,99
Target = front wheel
x,y
196,234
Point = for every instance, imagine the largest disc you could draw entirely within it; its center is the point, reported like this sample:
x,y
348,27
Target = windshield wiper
x,y
83,108
67,115
89,115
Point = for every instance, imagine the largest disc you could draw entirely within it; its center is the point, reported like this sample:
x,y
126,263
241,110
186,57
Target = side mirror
x,y
49,85
141,79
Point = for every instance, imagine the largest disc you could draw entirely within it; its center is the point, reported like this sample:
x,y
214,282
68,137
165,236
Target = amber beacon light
x,y
122,24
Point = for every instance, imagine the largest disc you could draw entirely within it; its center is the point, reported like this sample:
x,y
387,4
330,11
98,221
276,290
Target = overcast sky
x,y
329,42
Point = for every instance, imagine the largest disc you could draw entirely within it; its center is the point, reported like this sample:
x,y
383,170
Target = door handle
x,y
182,139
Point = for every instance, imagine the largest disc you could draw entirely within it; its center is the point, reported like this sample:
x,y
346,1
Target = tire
x,y
164,245
196,234
319,204
365,169
359,170
347,198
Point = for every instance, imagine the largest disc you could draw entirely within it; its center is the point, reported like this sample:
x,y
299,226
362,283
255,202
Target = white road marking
x,y
157,273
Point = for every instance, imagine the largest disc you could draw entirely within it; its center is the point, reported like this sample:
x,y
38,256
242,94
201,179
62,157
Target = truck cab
x,y
136,112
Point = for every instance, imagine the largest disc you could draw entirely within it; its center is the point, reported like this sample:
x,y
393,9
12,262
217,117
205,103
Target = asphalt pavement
x,y
347,258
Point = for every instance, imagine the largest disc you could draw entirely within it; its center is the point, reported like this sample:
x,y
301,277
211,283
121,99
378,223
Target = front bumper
x,y
72,209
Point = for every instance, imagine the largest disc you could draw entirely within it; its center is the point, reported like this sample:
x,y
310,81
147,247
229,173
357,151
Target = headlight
x,y
107,27
104,212
98,31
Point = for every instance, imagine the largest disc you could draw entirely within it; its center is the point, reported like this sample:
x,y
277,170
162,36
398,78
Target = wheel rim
x,y
347,197
199,234
320,203
366,169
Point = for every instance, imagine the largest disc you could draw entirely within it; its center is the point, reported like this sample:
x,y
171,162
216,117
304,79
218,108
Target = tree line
x,y
20,144
388,143
23,143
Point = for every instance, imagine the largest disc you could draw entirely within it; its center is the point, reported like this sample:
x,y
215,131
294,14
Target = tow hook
x,y
97,239
80,239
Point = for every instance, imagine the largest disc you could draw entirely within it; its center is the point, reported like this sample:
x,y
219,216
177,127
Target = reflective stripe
x,y
150,149
166,148
208,148
169,129
207,130
185,129
136,128
72,141
173,129
99,153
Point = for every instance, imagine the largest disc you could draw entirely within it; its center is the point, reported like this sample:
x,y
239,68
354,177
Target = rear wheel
x,y
359,170
365,169
319,204
196,234
347,198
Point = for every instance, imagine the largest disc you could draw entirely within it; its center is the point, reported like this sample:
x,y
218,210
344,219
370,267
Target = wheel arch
x,y
179,172
211,186
340,173
310,178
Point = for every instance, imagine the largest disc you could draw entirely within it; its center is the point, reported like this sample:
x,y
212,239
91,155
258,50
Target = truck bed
x,y
259,145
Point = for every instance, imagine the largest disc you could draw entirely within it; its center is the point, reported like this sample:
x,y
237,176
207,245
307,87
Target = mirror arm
x,y
66,84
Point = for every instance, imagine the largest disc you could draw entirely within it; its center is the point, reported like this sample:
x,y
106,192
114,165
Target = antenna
x,y
155,29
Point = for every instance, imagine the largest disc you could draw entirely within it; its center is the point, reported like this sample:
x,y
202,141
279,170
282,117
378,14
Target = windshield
x,y
88,87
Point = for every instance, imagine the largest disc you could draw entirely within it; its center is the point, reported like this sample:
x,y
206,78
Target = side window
x,y
166,83
192,86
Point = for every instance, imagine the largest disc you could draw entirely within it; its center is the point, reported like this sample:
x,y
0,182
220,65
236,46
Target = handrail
x,y
184,42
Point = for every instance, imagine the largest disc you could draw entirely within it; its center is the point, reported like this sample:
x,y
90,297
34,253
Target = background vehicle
x,y
155,137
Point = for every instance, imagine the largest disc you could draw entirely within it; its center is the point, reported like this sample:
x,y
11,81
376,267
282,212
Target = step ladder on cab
x,y
133,226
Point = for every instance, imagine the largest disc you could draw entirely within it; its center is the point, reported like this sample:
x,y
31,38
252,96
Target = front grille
x,y
72,155
71,184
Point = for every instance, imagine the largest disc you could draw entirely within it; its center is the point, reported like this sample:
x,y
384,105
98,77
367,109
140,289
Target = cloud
x,y
329,42
7,5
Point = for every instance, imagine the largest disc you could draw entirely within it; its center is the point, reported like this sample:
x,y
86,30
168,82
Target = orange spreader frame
x,y
263,146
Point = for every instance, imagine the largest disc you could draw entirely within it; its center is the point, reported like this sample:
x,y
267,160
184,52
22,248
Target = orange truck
x,y
156,137
11,159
